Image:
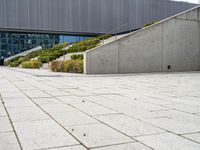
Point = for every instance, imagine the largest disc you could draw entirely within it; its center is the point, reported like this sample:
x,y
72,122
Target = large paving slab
x,y
58,111
55,108
8,141
23,114
45,101
18,102
129,126
13,94
43,134
36,93
98,135
5,125
73,118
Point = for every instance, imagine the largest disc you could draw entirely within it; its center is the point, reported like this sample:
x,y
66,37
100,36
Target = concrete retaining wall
x,y
171,45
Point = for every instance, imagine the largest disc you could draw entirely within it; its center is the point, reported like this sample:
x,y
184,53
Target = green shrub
x,y
14,59
77,56
84,45
104,37
14,64
71,66
46,55
46,58
35,53
57,66
60,46
22,59
31,64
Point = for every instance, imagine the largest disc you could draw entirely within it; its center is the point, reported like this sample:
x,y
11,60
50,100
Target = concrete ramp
x,y
24,53
170,45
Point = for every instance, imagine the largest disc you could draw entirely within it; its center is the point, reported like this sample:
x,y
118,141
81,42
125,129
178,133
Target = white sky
x,y
192,1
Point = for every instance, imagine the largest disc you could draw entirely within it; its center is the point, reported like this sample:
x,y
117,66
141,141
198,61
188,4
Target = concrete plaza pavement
x,y
41,110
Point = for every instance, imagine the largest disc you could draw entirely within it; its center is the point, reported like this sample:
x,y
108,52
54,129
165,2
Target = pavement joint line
x,y
189,139
64,146
10,120
103,94
190,133
82,124
177,110
113,145
159,117
160,110
149,134
112,114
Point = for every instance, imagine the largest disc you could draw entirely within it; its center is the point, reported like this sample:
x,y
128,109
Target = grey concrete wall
x,y
84,16
173,42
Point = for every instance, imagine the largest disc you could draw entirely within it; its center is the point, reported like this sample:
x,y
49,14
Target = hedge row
x,y
77,56
87,44
44,55
31,64
70,66
83,45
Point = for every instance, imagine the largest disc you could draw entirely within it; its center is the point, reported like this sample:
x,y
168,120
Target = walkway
x,y
40,110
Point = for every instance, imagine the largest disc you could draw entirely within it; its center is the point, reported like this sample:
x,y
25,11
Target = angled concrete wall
x,y
171,45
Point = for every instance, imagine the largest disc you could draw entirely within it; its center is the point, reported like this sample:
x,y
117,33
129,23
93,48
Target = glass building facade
x,y
15,43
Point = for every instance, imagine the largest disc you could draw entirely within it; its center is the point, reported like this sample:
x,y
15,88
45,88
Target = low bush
x,y
14,64
22,59
43,55
104,37
17,61
77,48
46,58
71,66
31,64
60,46
84,45
14,59
77,56
57,66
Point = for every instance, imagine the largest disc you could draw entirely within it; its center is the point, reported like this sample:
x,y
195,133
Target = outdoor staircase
x,y
103,42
